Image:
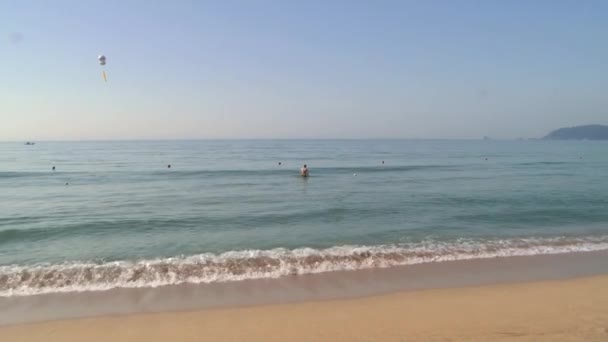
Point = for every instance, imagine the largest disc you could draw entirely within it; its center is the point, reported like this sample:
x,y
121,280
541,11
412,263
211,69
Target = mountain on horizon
x,y
586,132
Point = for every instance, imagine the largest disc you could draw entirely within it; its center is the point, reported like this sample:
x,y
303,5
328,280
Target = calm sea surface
x,y
112,214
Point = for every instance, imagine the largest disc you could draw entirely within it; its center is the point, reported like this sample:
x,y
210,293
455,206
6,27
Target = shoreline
x,y
341,285
205,268
572,309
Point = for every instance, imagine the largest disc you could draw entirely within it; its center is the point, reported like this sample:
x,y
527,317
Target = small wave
x,y
384,168
542,163
186,174
20,174
37,174
17,280
317,170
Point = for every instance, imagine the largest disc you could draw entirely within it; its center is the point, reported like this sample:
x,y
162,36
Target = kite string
x,y
105,78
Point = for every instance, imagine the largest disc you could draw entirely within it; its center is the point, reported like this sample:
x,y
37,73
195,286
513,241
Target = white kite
x,y
102,62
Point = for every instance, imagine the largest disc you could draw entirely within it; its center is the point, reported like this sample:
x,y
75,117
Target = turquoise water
x,y
113,214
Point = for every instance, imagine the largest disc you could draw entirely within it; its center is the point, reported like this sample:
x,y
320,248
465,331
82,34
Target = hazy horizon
x,y
254,139
289,70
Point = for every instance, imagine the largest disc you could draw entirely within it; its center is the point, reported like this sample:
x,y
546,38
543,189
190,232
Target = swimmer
x,y
53,168
304,171
383,162
280,163
169,166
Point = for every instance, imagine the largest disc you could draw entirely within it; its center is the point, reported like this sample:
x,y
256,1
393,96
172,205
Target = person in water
x,y
304,171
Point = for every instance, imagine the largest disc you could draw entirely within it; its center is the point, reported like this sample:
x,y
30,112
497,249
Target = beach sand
x,y
563,310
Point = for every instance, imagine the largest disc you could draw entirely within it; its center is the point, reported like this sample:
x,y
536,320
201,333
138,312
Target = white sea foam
x,y
19,280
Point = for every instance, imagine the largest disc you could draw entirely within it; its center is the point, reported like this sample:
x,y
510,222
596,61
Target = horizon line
x,y
252,139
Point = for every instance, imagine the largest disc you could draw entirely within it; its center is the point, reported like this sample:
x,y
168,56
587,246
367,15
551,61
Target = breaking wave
x,y
18,280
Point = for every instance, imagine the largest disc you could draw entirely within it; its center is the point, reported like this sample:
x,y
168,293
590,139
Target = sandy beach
x,y
563,310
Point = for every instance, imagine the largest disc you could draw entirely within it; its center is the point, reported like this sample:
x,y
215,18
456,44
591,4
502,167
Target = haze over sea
x,y
113,214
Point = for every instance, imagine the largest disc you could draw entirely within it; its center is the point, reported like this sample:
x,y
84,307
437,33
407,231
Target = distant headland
x,y
587,132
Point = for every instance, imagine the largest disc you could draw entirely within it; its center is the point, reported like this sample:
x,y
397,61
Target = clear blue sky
x,y
305,69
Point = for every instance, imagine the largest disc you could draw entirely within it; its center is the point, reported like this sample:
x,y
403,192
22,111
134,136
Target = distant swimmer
x,y
280,163
383,162
169,166
53,168
304,171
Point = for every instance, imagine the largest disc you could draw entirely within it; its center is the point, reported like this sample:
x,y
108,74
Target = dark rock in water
x,y
588,132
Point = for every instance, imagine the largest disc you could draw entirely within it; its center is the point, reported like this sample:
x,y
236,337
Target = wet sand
x,y
293,289
529,298
561,310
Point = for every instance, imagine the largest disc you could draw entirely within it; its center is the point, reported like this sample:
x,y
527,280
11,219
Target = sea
x,y
113,214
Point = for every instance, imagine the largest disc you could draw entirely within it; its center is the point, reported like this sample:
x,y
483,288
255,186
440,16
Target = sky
x,y
300,69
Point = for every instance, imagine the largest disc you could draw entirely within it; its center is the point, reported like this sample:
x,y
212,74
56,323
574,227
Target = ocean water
x,y
112,214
